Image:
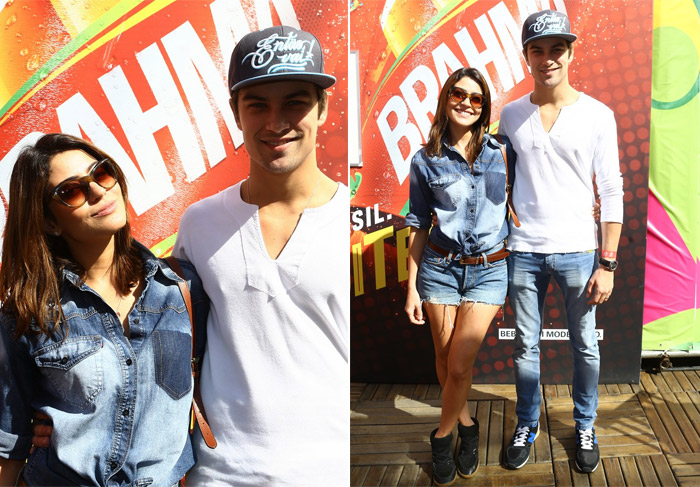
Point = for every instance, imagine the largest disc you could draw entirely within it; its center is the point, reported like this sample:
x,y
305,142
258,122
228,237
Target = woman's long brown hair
x,y
440,125
32,260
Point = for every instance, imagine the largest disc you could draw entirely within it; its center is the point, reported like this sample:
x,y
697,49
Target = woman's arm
x,y
416,244
9,470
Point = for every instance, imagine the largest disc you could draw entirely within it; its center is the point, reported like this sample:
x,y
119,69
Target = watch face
x,y
610,265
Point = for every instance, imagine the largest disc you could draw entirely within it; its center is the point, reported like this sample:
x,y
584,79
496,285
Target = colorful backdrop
x,y
672,287
146,82
405,51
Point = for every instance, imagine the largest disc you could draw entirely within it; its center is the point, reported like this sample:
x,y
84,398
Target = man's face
x,y
549,60
279,121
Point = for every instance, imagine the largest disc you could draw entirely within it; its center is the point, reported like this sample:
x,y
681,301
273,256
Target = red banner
x,y
146,82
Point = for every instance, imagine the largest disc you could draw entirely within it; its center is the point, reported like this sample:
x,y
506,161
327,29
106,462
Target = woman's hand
x,y
414,308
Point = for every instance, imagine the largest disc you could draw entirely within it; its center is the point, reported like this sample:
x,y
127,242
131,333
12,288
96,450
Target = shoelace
x,y
520,436
586,439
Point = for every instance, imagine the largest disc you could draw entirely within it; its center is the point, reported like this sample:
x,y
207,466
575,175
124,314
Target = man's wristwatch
x,y
608,265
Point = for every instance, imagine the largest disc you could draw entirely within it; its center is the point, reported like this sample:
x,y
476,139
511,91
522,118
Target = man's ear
x,y
323,115
235,112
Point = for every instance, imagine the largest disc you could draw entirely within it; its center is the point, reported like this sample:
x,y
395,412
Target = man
x,y
272,255
564,140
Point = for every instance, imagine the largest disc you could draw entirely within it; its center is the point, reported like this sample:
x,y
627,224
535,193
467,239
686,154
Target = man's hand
x,y
600,286
414,308
42,429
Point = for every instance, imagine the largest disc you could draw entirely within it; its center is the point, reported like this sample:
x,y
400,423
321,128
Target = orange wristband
x,y
609,254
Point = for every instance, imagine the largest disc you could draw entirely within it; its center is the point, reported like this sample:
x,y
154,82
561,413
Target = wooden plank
x,y
391,458
409,475
693,378
597,477
420,392
671,381
683,458
482,415
425,478
656,423
625,389
646,471
374,476
679,442
358,474
530,475
510,421
399,403
663,471
541,448
647,384
660,382
562,473
613,389
434,391
549,391
369,391
672,401
689,481
629,470
495,434
391,476
407,390
613,471
683,381
357,430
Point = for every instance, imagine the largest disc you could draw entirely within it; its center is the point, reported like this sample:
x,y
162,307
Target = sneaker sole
x,y
512,466
586,470
464,476
435,482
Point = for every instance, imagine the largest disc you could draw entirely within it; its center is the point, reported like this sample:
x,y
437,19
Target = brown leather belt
x,y
471,260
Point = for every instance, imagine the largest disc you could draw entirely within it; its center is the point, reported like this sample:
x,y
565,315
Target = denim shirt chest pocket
x,y
171,340
73,368
495,178
449,190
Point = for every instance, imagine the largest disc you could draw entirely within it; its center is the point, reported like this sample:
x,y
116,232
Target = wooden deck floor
x,y
649,434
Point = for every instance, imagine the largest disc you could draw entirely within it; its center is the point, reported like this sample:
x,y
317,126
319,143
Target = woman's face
x,y
463,114
101,216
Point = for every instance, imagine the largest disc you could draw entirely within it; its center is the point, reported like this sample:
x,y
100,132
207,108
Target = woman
x,y
94,332
458,270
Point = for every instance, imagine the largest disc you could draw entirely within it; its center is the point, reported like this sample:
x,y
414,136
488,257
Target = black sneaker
x,y
468,454
444,468
518,451
587,454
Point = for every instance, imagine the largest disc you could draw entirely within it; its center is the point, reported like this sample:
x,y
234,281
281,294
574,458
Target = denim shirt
x,y
470,204
120,407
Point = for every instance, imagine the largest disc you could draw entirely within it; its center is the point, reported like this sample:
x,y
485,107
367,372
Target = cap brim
x,y
568,37
322,80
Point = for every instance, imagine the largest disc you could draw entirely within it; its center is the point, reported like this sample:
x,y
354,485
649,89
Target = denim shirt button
x,y
64,360
113,465
136,321
128,361
125,412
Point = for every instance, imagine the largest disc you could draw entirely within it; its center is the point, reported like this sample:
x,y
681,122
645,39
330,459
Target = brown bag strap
x,y
509,192
197,407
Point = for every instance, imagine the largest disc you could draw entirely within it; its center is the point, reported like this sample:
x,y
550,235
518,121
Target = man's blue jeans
x,y
529,275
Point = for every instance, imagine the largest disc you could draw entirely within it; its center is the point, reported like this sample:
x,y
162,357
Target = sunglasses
x,y
74,192
458,95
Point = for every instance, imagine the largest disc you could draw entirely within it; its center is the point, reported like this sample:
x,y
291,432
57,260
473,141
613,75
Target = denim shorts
x,y
443,281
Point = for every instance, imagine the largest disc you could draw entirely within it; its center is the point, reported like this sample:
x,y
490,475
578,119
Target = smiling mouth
x,y
279,142
107,210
